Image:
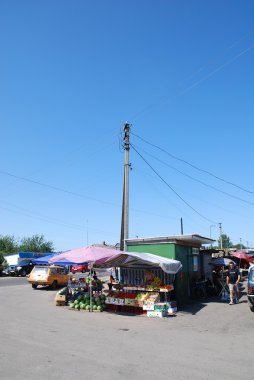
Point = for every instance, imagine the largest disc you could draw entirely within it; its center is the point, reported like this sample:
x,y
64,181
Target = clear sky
x,y
180,72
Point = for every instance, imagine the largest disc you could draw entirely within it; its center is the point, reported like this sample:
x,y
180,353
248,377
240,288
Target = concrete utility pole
x,y
220,235
125,203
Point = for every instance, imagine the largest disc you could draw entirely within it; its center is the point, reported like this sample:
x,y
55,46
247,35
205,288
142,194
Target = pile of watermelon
x,y
83,302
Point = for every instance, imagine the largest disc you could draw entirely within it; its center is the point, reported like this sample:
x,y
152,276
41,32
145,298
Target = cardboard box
x,y
139,303
165,306
129,301
161,306
156,314
172,310
152,298
60,299
148,307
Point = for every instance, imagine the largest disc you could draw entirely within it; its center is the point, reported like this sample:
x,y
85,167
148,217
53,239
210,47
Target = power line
x,y
56,188
199,181
166,99
219,55
77,194
171,188
194,166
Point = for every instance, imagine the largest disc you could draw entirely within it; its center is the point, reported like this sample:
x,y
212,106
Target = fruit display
x,y
84,302
142,296
156,282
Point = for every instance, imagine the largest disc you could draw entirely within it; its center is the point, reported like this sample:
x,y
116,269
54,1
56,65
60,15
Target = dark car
x,y
250,288
19,270
12,270
81,268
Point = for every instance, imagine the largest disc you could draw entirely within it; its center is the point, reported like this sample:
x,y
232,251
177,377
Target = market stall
x,y
145,283
83,292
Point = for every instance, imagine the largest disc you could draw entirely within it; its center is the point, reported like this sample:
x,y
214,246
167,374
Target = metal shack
x,y
185,248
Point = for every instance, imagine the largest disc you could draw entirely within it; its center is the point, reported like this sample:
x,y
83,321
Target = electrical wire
x,y
77,194
171,188
56,188
166,99
193,166
219,55
197,180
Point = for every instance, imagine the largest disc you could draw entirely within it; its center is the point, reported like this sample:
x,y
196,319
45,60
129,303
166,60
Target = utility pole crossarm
x,y
125,203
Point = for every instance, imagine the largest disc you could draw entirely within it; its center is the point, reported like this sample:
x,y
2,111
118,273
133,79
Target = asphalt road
x,y
42,341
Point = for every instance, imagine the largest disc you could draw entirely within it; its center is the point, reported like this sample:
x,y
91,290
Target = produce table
x,y
140,300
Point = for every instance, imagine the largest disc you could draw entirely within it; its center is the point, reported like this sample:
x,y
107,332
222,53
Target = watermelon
x,y
87,307
76,302
76,306
94,307
71,305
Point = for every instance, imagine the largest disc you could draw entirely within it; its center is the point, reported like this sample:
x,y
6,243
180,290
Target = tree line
x,y
227,243
36,243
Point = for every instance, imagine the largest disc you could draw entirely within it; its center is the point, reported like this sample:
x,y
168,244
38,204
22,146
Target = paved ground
x,y
42,341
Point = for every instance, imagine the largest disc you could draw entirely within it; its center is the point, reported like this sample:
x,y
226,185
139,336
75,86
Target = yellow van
x,y
52,275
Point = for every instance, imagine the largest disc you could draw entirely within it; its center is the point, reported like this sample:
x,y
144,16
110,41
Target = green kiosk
x,y
185,248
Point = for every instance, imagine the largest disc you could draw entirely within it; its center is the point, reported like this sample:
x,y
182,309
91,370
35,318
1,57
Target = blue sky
x,y
72,72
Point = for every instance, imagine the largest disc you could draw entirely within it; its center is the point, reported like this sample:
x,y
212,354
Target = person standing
x,y
233,279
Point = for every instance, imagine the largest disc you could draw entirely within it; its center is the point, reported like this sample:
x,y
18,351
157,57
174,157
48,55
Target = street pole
x,y
181,226
213,225
125,203
220,235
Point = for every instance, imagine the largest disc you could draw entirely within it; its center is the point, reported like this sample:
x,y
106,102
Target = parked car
x,y
52,275
12,270
250,288
82,268
18,270
249,257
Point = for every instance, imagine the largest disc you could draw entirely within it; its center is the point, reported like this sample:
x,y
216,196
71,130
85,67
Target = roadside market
x,y
143,285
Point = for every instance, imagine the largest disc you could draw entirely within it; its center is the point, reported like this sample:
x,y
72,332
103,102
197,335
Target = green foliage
x,y
1,258
36,243
8,244
226,242
239,246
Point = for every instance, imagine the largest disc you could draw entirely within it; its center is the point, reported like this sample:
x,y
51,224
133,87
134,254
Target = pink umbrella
x,y
86,254
239,255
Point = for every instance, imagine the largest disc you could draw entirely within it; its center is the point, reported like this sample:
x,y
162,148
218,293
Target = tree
x,y
226,242
8,244
239,246
36,243
1,258
3,262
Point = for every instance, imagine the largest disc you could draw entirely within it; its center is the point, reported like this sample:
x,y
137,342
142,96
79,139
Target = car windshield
x,y
40,270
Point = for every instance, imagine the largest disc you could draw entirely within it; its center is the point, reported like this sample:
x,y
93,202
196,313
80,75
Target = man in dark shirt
x,y
233,278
